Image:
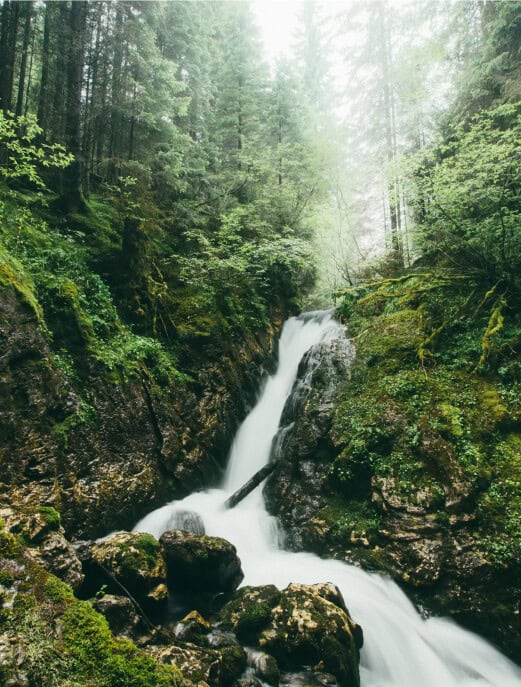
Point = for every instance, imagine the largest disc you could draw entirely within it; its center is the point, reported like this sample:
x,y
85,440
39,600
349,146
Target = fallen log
x,y
250,485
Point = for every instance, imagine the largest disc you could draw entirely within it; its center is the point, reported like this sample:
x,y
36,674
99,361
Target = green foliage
x,y
24,152
350,519
52,272
467,197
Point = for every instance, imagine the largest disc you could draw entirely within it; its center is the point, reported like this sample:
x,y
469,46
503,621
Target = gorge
x,y
401,648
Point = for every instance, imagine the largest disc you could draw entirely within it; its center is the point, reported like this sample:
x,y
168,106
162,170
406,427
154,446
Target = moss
x,y
57,591
492,406
452,421
68,292
10,546
13,274
7,578
51,517
85,414
350,520
149,547
101,660
250,610
252,620
84,652
389,340
233,664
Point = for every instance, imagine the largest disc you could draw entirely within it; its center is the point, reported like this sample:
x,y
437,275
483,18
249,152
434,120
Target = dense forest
x,y
169,197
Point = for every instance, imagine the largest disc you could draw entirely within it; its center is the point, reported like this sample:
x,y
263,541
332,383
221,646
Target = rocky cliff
x,y
104,447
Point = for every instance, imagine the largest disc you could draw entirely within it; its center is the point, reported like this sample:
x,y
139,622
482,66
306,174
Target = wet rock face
x,y
298,487
300,627
132,561
198,563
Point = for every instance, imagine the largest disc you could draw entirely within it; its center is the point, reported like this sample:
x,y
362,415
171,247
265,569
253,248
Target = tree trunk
x,y
250,485
61,38
388,106
115,118
73,200
10,15
91,112
4,39
28,9
43,96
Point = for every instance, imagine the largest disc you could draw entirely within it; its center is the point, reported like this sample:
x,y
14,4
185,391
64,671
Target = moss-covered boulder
x,y
132,561
201,564
303,626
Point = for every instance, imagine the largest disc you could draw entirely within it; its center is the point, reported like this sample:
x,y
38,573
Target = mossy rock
x,y
62,640
390,340
134,560
249,610
13,274
300,626
198,563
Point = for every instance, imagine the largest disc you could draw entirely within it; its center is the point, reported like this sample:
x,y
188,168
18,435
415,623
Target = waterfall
x,y
401,649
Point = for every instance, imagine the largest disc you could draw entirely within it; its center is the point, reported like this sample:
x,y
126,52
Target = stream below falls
x,y
401,648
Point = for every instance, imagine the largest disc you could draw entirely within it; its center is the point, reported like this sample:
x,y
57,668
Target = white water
x,y
401,649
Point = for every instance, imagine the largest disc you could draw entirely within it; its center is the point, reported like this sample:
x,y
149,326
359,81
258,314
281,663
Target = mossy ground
x,y
62,640
434,397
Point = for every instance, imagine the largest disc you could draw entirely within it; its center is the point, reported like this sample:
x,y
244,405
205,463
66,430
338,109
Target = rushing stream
x,y
401,649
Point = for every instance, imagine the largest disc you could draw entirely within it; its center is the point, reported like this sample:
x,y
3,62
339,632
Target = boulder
x,y
59,557
215,668
120,614
192,628
132,562
303,626
198,563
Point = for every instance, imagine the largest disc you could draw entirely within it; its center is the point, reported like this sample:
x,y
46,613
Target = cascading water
x,y
401,649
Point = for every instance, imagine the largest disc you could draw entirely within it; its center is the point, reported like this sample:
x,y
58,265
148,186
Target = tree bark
x,y
388,107
28,9
115,118
73,200
43,96
10,15
61,38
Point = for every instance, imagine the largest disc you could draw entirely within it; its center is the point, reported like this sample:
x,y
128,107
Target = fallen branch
x,y
250,485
